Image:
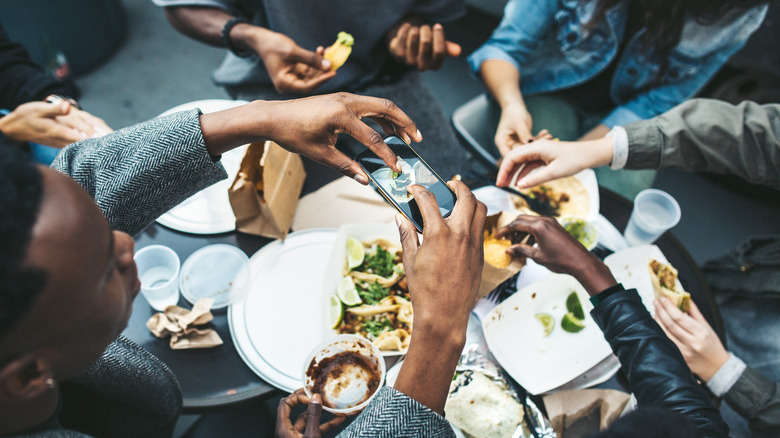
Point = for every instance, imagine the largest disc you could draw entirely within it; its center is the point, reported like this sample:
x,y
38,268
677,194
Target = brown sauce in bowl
x,y
340,369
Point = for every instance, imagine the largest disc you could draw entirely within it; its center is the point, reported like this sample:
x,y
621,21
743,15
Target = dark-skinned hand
x,y
291,68
558,251
307,425
420,45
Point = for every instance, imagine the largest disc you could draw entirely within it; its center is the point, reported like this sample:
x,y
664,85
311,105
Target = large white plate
x,y
209,210
280,319
333,274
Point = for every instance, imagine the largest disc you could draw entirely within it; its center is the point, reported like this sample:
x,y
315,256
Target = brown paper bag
x,y
492,276
265,193
584,410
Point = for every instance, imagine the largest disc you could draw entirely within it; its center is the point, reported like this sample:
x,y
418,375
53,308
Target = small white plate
x,y
280,319
630,267
541,363
209,210
334,272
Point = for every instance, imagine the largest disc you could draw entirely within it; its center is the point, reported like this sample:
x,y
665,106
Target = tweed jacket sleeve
x,y
140,172
710,135
394,414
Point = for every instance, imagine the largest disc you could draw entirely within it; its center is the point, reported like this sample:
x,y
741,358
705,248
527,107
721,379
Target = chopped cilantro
x,y
375,328
373,293
379,263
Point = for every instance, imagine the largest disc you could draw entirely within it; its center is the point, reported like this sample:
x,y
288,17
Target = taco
x,y
665,284
566,195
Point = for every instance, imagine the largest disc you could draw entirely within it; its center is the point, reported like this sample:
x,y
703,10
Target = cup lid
x,y
216,271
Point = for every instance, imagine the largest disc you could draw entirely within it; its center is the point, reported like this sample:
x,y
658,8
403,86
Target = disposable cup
x,y
346,383
219,271
655,212
158,269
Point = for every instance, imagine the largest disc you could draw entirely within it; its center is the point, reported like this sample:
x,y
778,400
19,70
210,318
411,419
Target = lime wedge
x,y
336,311
347,292
574,306
355,252
548,322
571,323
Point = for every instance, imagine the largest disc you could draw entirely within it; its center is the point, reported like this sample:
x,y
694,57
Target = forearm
x,y
502,81
203,24
708,135
427,370
599,131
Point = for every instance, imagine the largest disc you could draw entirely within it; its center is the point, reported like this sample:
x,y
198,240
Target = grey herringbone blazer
x,y
140,172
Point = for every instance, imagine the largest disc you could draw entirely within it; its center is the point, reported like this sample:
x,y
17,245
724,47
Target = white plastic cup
x,y
158,269
655,212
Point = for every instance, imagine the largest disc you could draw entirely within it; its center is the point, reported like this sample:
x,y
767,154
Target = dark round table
x,y
218,377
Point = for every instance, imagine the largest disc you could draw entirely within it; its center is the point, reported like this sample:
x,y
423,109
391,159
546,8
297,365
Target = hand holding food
x,y
664,279
699,344
420,45
559,252
338,53
307,425
291,68
514,128
546,160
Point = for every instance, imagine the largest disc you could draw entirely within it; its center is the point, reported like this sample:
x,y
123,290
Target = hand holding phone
x,y
414,170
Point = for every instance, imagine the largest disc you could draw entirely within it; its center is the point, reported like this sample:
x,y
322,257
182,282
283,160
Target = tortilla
x,y
569,191
482,409
495,251
664,279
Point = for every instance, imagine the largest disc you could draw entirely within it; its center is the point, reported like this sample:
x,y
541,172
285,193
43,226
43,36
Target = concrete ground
x,y
157,68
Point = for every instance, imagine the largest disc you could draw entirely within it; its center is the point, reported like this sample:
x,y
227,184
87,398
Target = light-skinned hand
x,y
308,424
420,45
545,160
514,128
558,251
699,344
51,124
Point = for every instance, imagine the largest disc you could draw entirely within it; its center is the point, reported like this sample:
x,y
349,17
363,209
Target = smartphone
x,y
414,170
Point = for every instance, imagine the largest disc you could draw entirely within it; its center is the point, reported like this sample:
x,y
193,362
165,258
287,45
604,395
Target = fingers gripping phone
x,y
393,185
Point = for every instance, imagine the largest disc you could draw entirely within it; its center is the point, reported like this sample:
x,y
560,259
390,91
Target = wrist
x,y
240,35
716,363
446,332
594,275
228,129
260,39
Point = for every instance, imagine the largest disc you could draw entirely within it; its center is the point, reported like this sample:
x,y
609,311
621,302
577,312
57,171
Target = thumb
x,y
313,414
453,49
409,241
57,109
309,58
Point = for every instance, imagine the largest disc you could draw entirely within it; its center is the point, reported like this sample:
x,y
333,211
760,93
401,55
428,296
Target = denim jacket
x,y
545,41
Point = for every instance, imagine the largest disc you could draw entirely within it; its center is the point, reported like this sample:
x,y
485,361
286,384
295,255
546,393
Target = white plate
x,y
209,210
629,267
333,274
280,319
541,363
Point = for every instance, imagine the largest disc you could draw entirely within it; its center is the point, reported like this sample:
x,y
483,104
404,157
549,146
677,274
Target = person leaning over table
x,y
698,135
586,66
671,403
40,109
275,51
68,280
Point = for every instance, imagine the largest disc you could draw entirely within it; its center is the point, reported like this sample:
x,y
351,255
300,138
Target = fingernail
x,y
407,138
419,134
316,399
362,179
398,220
522,184
325,64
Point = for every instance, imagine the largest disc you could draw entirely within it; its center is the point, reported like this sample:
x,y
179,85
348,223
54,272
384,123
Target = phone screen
x,y
414,170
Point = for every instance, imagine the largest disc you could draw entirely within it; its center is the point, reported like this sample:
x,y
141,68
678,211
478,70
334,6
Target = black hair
x,y
663,21
21,191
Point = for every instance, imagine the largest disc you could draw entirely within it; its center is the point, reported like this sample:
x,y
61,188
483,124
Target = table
x,y
218,377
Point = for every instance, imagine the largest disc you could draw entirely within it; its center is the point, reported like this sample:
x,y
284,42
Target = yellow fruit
x,y
338,53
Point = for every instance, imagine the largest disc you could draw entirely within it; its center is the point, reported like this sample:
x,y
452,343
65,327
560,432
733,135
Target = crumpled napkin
x,y
178,323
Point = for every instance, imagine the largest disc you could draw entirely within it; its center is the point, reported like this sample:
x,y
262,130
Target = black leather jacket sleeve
x,y
657,374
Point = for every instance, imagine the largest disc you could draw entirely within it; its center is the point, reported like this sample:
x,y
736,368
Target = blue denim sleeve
x,y
525,24
660,99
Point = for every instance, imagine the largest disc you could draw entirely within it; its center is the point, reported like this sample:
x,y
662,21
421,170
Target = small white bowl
x,y
216,271
351,389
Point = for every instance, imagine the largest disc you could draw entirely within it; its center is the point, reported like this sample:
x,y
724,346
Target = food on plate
x,y
344,380
566,195
574,306
481,407
373,298
495,250
338,53
664,279
548,322
581,230
570,323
